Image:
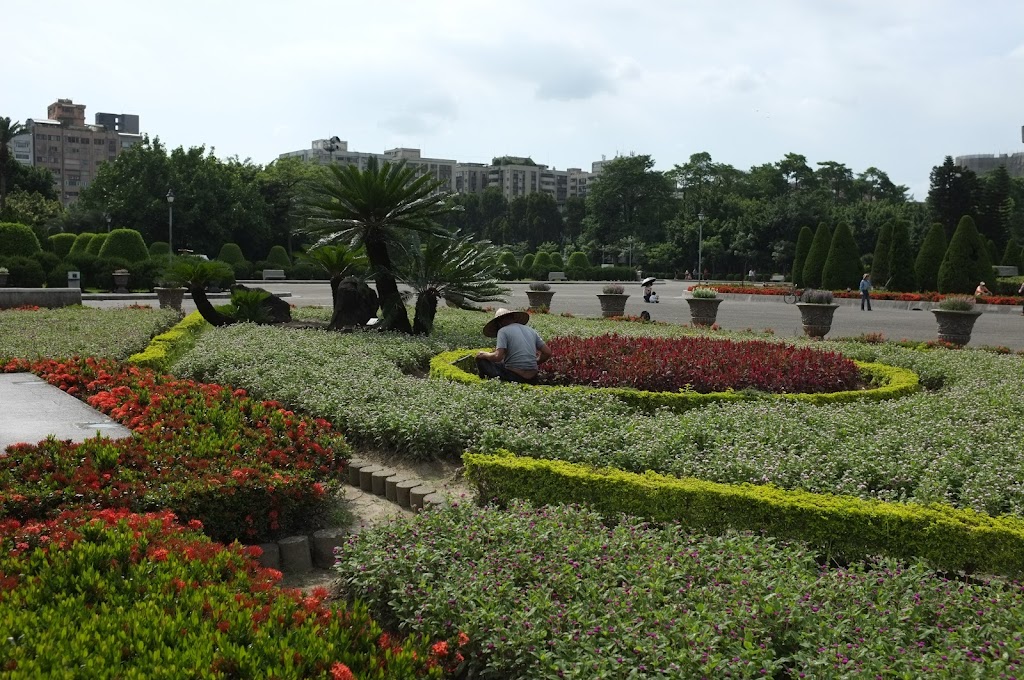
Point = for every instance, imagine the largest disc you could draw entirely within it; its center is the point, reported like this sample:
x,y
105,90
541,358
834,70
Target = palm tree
x,y
377,208
8,131
455,269
338,262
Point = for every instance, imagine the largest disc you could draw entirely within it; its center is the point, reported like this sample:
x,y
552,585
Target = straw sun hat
x,y
491,328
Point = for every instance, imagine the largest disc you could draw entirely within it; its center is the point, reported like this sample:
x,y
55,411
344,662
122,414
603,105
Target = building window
x,y
39,159
40,135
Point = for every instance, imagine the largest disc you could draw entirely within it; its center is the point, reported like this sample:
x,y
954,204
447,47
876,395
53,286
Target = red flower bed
x,y
246,469
1011,300
700,364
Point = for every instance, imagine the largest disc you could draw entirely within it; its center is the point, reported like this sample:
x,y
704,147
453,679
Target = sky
x,y
895,84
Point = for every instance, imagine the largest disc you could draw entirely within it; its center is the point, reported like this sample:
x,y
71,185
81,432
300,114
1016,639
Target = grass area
x,y
81,331
956,443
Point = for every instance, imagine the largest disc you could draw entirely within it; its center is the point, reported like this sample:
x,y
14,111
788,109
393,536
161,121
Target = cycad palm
x,y
338,262
8,131
450,268
377,208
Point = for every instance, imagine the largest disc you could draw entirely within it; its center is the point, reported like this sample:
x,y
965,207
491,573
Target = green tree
x,y
803,247
953,192
377,209
929,258
993,216
126,244
34,209
880,259
575,213
626,199
902,276
842,266
966,261
8,131
814,265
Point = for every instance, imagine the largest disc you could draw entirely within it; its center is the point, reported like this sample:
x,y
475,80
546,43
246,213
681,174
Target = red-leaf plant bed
x,y
698,364
246,469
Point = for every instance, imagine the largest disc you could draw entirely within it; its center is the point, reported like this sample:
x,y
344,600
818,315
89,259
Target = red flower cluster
x,y
875,295
246,469
701,364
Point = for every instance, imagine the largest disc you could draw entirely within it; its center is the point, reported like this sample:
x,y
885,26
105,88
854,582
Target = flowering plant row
x,y
112,594
701,364
247,469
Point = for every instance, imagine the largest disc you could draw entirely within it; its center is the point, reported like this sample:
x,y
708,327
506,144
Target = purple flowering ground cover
x,y
554,593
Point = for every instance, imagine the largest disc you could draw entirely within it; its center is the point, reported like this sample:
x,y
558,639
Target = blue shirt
x,y
865,285
520,344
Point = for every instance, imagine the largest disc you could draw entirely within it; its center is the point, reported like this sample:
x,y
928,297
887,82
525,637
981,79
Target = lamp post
x,y
170,223
700,244
108,223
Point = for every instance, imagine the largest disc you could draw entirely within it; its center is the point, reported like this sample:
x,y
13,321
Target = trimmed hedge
x,y
929,258
62,243
803,247
278,257
81,245
17,240
165,348
159,248
814,265
96,244
25,272
842,266
852,528
890,383
125,244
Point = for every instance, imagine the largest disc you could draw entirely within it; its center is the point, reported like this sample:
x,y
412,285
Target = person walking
x,y
865,292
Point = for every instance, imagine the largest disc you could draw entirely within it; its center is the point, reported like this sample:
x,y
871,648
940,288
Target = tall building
x,y
334,150
982,163
70,148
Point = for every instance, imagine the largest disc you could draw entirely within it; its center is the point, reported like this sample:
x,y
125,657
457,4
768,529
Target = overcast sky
x,y
895,84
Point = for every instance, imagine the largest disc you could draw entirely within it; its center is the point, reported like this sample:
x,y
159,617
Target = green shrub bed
x,y
111,594
839,527
80,331
168,346
246,469
555,593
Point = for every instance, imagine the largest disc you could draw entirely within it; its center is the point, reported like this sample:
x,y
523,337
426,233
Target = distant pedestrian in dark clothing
x,y
865,292
1020,291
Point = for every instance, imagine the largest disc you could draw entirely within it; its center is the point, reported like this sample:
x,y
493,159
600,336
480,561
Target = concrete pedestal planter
x,y
612,304
121,277
816,318
955,326
3,279
170,298
703,311
540,298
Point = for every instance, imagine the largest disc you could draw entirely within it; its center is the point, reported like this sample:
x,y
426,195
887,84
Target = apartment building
x,y
983,163
334,150
70,148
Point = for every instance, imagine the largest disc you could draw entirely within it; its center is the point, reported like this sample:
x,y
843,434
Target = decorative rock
x,y
324,543
402,490
295,556
366,477
435,500
377,480
417,494
354,466
391,485
271,557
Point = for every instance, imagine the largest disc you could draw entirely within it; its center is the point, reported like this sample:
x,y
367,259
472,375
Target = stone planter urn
x,y
703,311
955,326
3,278
816,318
613,304
121,277
170,298
540,298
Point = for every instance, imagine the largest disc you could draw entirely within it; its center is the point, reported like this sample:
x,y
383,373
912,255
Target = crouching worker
x,y
519,350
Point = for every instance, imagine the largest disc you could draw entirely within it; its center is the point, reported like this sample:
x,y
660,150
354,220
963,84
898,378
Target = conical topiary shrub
x,y
578,265
929,258
966,262
880,259
1011,254
816,257
803,246
526,264
842,267
902,277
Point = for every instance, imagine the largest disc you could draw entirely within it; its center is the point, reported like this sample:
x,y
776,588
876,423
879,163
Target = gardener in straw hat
x,y
519,351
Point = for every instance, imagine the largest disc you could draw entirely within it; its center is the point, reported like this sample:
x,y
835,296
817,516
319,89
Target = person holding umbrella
x,y
649,294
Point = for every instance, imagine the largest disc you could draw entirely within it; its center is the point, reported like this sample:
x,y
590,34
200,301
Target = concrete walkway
x,y
31,410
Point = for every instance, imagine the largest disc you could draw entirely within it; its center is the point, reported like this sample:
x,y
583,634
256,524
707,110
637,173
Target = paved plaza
x,y
1003,326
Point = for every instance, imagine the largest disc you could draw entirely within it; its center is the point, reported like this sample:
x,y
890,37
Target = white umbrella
x,y
649,280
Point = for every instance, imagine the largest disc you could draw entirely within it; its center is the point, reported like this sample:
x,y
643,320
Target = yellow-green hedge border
x,y
891,381
854,528
168,346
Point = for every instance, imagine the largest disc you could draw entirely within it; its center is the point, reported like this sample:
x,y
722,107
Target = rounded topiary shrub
x,y
231,253
61,244
82,242
509,264
278,258
243,270
526,265
158,248
17,240
126,244
305,271
24,272
541,265
557,262
96,244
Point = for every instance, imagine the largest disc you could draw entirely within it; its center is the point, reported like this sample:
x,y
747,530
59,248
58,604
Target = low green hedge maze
x,y
888,382
852,528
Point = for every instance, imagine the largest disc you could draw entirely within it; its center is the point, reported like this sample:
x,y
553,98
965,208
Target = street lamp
x,y
700,244
170,223
108,223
